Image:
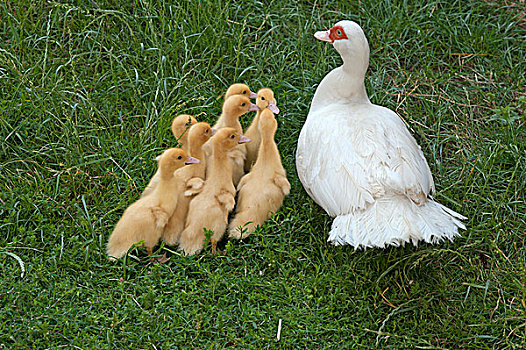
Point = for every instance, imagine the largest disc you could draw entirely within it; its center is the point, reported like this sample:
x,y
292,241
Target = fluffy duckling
x,y
265,99
180,125
145,219
193,176
234,107
239,89
209,209
261,192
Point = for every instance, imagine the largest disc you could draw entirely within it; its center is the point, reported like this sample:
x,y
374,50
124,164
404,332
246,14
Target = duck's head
x,y
200,133
239,89
180,124
173,159
265,99
238,105
349,40
227,138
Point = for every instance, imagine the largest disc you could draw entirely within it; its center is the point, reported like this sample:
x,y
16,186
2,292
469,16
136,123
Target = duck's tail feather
x,y
396,220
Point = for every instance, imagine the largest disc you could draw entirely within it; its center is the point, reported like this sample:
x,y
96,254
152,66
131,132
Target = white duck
x,y
359,162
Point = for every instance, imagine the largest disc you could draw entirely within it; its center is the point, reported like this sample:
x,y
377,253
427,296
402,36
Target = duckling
x,y
265,99
145,219
180,128
193,177
234,107
239,89
260,192
209,209
180,125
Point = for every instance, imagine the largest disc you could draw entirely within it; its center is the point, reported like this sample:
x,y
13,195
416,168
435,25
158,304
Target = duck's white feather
x,y
395,220
359,162
369,153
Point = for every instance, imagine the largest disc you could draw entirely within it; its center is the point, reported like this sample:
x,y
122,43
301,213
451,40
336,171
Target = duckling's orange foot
x,y
160,260
218,252
215,250
163,259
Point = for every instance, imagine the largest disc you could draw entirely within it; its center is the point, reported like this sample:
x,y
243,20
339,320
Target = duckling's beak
x,y
253,107
213,132
273,108
252,95
243,139
192,160
323,36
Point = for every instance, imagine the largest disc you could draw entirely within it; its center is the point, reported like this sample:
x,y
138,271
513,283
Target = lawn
x,y
88,90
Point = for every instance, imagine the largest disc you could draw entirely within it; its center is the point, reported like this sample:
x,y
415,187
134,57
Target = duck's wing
x,y
405,169
346,160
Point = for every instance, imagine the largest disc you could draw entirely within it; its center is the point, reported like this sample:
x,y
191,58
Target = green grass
x,y
87,94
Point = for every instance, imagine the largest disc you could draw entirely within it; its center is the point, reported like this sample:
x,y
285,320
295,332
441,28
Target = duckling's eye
x,y
243,104
180,157
232,136
262,98
206,131
244,92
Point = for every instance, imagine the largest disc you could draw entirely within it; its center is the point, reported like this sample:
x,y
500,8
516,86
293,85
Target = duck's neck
x,y
229,121
220,170
252,129
166,173
354,75
196,151
344,85
268,153
167,190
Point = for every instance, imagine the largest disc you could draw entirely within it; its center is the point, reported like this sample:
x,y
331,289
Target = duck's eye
x,y
243,104
180,157
337,33
244,92
232,136
262,98
206,131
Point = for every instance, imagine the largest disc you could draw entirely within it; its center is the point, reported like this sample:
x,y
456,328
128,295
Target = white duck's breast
x,y
350,154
